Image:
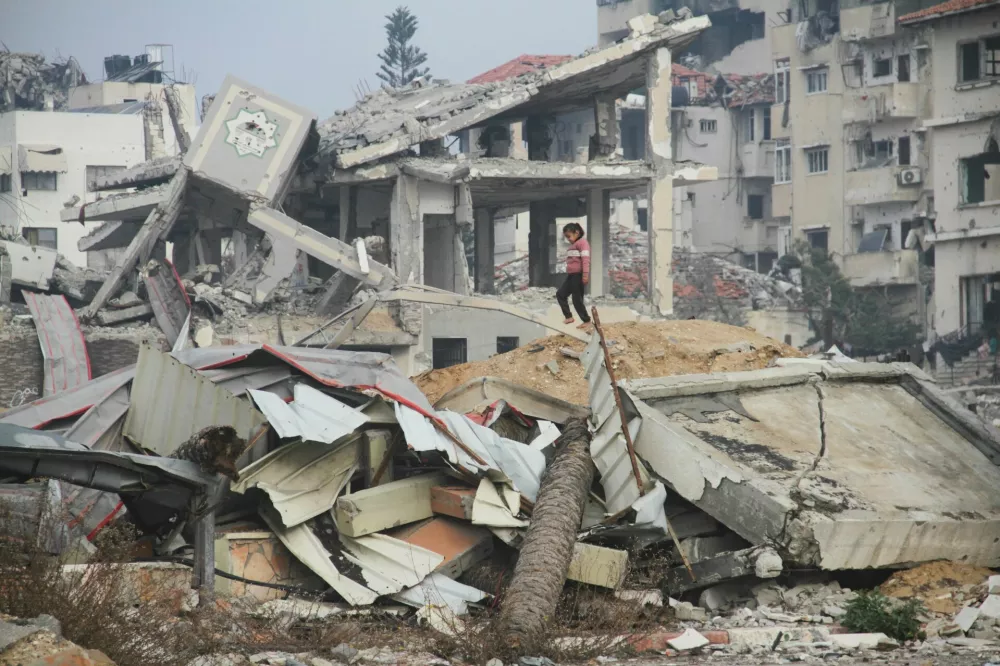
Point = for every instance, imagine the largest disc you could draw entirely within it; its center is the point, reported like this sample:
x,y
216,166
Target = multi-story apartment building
x,y
961,43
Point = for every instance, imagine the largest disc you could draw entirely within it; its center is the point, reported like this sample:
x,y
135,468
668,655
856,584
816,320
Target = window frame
x,y
901,141
766,121
816,232
875,61
782,80
6,182
751,125
33,177
813,154
987,60
750,211
37,242
708,126
813,80
782,162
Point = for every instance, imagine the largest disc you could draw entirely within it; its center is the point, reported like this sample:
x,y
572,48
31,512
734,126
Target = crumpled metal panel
x,y
439,590
67,364
313,416
167,297
303,479
518,462
164,389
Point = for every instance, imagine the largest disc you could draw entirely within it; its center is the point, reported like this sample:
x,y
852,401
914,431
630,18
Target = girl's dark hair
x,y
575,226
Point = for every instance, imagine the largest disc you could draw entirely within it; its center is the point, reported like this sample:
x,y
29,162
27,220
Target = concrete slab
x,y
135,206
846,473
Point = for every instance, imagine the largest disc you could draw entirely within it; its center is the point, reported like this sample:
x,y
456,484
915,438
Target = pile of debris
x,y
29,83
639,349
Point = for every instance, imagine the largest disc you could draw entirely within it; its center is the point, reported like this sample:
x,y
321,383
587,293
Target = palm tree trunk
x,y
545,556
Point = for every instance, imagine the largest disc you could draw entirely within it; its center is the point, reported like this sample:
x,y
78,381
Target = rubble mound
x,y
942,587
640,350
28,82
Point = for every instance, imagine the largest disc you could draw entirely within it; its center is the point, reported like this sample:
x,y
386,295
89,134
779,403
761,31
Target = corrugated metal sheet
x,y
164,388
67,364
492,510
67,403
608,447
520,463
313,416
167,296
439,590
303,479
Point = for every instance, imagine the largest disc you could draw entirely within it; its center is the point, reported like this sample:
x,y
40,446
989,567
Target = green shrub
x,y
873,612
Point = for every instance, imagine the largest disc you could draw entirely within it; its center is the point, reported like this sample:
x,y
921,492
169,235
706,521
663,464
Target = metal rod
x,y
677,545
618,401
390,451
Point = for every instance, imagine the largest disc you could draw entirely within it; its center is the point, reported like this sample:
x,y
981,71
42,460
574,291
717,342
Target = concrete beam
x,y
110,317
434,170
594,565
148,173
406,231
391,505
110,235
125,206
659,153
342,256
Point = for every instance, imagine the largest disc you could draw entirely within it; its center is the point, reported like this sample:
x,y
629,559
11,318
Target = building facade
x,y
963,133
48,158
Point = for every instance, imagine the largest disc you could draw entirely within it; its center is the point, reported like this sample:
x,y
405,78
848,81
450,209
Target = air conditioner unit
x,y
909,176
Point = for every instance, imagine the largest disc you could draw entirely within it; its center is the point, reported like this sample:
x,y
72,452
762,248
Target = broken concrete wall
x,y
29,83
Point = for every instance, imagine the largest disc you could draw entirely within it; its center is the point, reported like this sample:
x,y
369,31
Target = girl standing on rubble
x,y
578,274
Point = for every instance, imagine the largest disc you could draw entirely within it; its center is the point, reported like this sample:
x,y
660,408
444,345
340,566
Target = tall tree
x,y
401,61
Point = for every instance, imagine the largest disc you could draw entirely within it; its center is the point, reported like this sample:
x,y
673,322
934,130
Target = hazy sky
x,y
312,52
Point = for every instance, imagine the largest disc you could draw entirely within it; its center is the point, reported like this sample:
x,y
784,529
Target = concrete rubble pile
x,y
28,82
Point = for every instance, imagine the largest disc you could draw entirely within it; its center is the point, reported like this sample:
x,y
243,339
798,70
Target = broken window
x,y
767,123
708,126
41,236
881,67
447,352
34,180
818,160
903,150
5,182
751,125
991,56
783,161
968,55
979,60
816,81
873,154
903,68
507,343
782,69
981,176
755,206
904,231
818,239
874,241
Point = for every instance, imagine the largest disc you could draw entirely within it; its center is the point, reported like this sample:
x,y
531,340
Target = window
x,y
5,182
751,125
783,162
642,219
873,154
881,67
33,180
782,68
818,160
816,81
566,147
506,344
41,236
903,68
755,206
979,60
447,352
767,123
95,172
819,239
981,176
904,231
709,126
691,85
903,150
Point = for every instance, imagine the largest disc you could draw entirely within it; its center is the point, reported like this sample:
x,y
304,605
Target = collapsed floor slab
x,y
843,466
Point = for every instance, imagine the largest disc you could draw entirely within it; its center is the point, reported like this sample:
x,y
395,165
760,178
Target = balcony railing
x,y
874,103
866,269
758,159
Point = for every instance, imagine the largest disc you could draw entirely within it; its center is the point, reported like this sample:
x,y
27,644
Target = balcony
x,y
758,235
867,22
882,185
866,269
758,159
896,100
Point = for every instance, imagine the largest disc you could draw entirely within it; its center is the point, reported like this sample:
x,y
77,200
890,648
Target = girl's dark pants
x,y
573,286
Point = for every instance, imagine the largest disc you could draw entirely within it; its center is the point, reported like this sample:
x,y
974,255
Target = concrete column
x,y
241,248
541,220
406,235
599,234
660,156
485,251
184,258
608,130
345,211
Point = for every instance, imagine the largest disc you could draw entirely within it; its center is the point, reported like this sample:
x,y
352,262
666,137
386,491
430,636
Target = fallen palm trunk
x,y
548,545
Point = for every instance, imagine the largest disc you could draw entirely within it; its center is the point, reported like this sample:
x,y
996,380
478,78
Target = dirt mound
x,y
639,350
943,587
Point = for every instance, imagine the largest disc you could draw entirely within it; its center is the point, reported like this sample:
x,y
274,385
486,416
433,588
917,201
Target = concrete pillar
x,y
184,258
406,234
660,156
608,130
599,234
542,218
485,251
345,211
241,248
